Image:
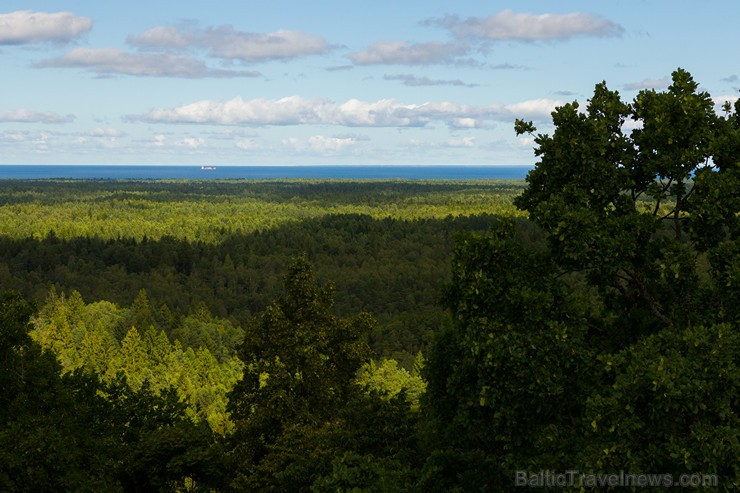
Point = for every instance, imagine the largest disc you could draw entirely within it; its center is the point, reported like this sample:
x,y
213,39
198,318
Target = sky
x,y
332,82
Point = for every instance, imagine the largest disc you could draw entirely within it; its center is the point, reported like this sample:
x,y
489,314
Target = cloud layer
x,y
403,53
167,51
507,25
229,44
110,61
475,32
25,26
27,116
295,110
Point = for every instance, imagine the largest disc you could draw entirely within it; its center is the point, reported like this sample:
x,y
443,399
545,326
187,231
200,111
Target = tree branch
x,y
648,299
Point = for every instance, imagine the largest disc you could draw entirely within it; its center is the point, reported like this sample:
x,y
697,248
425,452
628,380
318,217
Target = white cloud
x,y
462,142
293,143
506,25
662,83
402,53
106,132
191,142
109,61
295,110
27,116
13,137
41,143
25,26
526,142
464,123
320,144
247,145
227,43
104,138
536,109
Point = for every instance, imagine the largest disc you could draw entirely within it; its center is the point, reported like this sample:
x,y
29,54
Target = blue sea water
x,y
123,172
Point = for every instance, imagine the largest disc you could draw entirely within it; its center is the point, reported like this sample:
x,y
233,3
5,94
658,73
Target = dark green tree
x,y
614,347
300,364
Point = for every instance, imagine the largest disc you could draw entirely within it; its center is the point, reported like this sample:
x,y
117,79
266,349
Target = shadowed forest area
x,y
387,335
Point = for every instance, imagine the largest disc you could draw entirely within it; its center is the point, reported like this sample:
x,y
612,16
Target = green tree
x,y
613,347
300,363
633,212
133,360
141,314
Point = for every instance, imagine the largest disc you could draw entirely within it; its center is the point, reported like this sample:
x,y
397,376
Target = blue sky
x,y
332,82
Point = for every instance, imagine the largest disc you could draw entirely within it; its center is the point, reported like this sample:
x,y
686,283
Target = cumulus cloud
x,y
461,142
525,142
225,42
14,138
106,138
464,123
106,132
247,144
333,144
507,25
191,142
167,51
111,61
414,81
320,144
662,83
403,53
25,26
27,116
534,108
295,110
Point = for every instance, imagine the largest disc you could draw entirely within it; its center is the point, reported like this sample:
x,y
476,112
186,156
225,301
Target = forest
x,y
362,335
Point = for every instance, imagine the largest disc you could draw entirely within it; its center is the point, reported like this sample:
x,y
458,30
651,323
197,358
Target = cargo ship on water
x,y
208,168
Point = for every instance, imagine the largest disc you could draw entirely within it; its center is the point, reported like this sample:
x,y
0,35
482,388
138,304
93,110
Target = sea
x,y
152,172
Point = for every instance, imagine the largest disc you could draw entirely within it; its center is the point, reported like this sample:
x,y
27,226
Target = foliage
x,y
73,433
97,337
389,379
300,363
213,211
615,346
390,266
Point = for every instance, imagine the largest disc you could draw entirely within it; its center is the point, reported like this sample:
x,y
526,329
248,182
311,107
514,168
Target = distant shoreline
x,y
261,172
